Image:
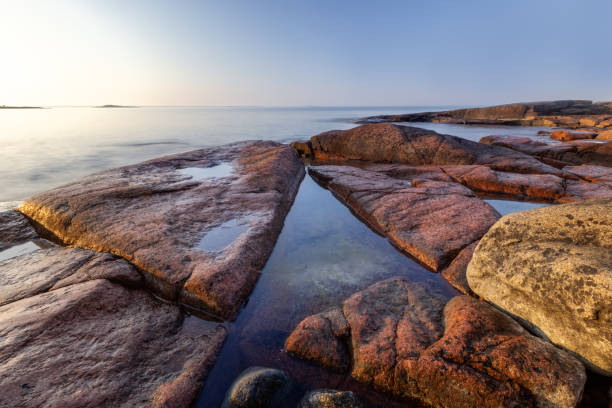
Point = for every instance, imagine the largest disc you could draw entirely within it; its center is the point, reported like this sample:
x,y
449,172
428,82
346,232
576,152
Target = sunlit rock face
x,y
98,343
389,143
410,340
160,216
552,267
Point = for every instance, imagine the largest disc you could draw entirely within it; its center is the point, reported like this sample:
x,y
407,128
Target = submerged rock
x,y
99,344
432,220
160,215
552,267
389,143
259,387
409,340
565,136
330,399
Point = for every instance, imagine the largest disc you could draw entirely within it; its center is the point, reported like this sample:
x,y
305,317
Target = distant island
x,y
115,106
20,107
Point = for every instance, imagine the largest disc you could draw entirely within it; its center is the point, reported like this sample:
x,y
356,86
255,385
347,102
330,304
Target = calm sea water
x,y
44,148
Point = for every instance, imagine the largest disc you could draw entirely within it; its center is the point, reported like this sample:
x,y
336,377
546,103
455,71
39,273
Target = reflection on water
x,y
18,250
322,256
202,173
222,236
505,207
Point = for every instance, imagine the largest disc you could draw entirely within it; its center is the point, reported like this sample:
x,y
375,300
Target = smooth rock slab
x,y
97,344
432,220
389,143
552,267
14,228
409,340
56,267
155,215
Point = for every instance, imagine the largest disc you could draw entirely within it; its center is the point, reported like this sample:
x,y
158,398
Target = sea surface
x,y
45,148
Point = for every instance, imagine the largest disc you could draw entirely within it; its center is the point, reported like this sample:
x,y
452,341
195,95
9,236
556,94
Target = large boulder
x,y
552,267
199,225
410,340
430,219
98,343
389,143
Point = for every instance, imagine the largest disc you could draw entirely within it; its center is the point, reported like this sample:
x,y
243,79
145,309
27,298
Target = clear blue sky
x,y
151,52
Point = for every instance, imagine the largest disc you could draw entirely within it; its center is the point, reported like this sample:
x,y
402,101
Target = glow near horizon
x,y
312,53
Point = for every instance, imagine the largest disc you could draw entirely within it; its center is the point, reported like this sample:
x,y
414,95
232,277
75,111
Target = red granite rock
x,y
431,220
389,143
454,273
157,215
560,154
565,135
411,341
99,344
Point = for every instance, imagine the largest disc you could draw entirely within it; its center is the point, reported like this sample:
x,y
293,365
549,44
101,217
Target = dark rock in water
x,y
97,343
162,216
564,113
259,387
330,399
552,267
430,219
410,340
389,143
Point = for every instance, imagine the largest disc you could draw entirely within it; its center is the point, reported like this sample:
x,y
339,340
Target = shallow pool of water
x,y
18,250
202,173
323,255
222,236
505,207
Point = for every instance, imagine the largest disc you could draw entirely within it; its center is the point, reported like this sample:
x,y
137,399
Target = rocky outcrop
x,y
389,143
562,154
409,340
455,272
259,387
329,399
199,225
430,219
565,113
14,228
98,343
552,267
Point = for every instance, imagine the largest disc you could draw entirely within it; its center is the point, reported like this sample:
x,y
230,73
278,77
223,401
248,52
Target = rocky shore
x,y
120,289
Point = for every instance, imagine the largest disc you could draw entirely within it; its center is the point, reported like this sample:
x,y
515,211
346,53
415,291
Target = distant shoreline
x,y
20,107
115,106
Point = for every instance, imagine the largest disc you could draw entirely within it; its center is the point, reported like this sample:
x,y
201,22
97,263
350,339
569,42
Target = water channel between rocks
x,y
323,255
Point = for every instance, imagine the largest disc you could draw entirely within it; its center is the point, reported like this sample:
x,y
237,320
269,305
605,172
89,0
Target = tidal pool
x,y
505,207
202,173
323,255
219,238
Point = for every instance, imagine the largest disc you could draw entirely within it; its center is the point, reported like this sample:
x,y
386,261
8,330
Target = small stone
x,y
259,387
330,399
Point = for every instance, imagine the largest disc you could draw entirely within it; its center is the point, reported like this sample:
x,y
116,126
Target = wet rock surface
x,y
14,227
156,214
412,341
552,268
431,220
259,387
330,399
97,343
